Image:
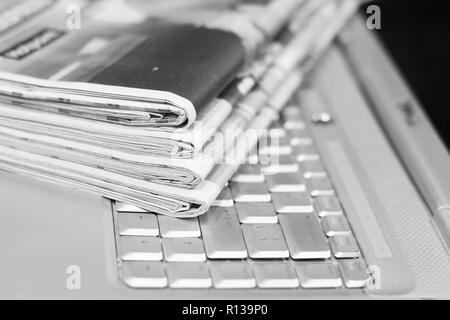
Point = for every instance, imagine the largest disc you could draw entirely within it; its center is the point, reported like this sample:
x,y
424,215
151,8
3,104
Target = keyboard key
x,y
285,182
224,198
137,224
312,169
124,207
305,152
140,248
292,202
296,115
344,247
250,192
183,249
336,226
222,235
326,206
318,275
248,173
291,111
278,163
188,275
256,212
273,145
354,273
178,228
294,123
319,186
140,274
304,236
265,241
277,130
299,136
275,275
229,275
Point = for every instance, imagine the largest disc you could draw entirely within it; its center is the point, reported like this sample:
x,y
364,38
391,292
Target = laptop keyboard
x,y
277,224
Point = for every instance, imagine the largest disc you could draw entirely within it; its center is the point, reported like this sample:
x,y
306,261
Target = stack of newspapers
x,y
155,109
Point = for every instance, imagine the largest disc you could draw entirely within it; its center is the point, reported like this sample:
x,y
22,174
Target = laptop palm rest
x,y
55,242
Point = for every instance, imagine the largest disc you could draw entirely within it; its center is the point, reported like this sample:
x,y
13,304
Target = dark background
x,y
417,34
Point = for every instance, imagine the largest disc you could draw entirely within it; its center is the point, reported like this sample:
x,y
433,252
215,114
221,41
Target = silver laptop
x,y
356,207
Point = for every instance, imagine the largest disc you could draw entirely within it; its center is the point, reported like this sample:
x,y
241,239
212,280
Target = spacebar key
x,y
222,235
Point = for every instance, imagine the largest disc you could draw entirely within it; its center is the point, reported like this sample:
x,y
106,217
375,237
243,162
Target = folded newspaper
x,y
100,65
182,172
83,134
136,78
